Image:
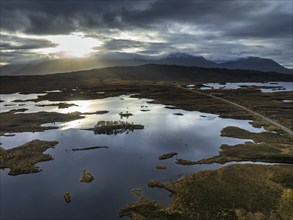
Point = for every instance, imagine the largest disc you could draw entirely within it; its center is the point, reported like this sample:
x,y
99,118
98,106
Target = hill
x,y
65,65
185,59
149,72
256,63
181,59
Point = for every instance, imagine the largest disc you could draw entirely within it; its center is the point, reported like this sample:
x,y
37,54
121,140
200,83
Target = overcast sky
x,y
217,30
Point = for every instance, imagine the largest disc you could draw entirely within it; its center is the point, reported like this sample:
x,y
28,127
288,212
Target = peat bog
x,y
149,127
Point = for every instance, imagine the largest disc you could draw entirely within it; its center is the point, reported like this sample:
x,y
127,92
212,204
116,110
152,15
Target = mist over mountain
x,y
180,59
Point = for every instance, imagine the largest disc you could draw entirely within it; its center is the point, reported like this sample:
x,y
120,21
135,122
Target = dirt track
x,y
287,130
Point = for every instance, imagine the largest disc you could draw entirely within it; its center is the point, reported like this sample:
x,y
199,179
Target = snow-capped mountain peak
x,y
178,55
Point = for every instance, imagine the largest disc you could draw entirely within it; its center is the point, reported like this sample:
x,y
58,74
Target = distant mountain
x,y
64,65
185,59
152,72
256,63
49,66
180,59
16,69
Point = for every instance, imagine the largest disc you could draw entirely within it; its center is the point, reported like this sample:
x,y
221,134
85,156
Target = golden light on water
x,y
69,125
82,106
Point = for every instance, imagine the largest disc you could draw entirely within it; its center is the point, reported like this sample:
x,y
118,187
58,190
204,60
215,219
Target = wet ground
x,y
129,162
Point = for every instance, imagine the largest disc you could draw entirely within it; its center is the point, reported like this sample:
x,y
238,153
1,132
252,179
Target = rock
x,y
67,197
86,177
138,193
179,114
161,167
101,112
167,156
184,162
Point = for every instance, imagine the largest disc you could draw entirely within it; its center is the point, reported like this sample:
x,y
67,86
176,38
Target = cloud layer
x,y
215,29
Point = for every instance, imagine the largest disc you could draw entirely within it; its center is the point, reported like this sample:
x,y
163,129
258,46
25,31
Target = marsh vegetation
x,y
115,127
23,159
194,138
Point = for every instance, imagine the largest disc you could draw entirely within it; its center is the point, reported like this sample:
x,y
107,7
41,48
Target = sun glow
x,y
74,45
80,106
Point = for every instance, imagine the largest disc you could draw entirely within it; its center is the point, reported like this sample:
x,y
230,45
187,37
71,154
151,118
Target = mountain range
x,y
180,59
248,63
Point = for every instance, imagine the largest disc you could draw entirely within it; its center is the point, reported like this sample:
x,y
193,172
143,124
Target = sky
x,y
218,30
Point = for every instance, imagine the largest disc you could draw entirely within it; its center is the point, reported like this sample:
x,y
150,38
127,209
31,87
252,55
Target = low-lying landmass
x,y
115,127
167,156
22,159
86,177
96,113
98,78
138,193
31,122
185,162
178,114
269,104
266,147
161,167
90,148
67,197
60,105
265,192
251,152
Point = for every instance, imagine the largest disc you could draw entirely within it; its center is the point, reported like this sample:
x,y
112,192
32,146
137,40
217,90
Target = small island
x,y
115,127
22,159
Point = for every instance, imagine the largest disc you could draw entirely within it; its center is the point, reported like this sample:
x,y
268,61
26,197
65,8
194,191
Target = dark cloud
x,y
267,26
60,17
64,16
218,29
122,44
20,49
18,43
139,46
21,57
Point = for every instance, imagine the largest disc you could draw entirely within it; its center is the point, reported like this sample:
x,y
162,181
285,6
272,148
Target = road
x,y
287,130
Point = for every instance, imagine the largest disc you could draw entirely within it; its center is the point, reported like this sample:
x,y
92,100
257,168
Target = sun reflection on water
x,y
69,125
83,106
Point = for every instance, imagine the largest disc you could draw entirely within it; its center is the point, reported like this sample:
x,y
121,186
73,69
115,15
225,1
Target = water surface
x,y
128,163
272,86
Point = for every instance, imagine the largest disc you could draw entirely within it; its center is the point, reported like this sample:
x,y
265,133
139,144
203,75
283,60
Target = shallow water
x,y
278,86
128,163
